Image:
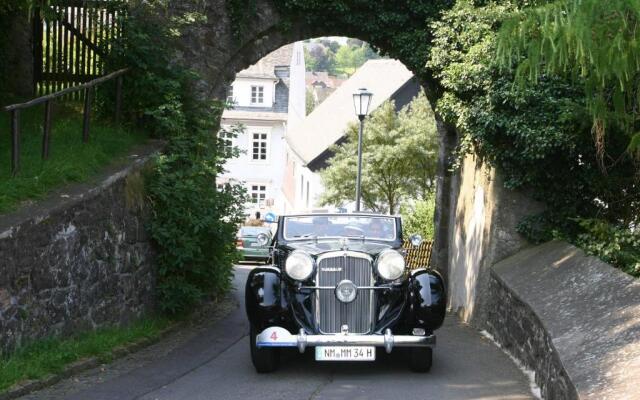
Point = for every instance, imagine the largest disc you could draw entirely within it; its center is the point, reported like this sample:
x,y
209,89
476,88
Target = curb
x,y
25,387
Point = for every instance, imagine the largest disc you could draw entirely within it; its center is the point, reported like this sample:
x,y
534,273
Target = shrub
x,y
616,245
419,218
192,224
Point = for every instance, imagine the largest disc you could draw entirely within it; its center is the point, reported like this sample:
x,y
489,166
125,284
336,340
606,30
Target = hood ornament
x,y
343,243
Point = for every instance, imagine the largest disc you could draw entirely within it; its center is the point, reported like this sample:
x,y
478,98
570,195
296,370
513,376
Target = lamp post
x,y
361,102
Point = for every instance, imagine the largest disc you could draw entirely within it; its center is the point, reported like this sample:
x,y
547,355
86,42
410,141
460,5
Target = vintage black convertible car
x,y
339,283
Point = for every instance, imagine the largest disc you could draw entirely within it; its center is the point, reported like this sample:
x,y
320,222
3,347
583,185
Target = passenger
x,y
321,226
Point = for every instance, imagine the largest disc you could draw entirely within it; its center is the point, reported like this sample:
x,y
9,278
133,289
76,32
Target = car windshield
x,y
318,226
253,230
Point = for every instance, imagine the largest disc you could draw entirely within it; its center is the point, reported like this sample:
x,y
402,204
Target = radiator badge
x,y
331,269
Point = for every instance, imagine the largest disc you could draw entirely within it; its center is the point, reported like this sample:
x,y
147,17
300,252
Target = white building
x,y
269,99
308,143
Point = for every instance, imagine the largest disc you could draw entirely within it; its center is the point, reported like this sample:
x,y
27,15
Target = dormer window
x,y
257,94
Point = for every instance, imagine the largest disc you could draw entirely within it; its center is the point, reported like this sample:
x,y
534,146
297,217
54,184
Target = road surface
x,y
215,364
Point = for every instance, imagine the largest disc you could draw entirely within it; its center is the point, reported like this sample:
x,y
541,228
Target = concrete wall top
x,y
590,310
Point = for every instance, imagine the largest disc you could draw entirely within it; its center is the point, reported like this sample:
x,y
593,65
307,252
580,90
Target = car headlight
x,y
390,265
299,265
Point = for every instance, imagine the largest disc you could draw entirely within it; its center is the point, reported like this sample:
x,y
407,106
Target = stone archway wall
x,y
218,45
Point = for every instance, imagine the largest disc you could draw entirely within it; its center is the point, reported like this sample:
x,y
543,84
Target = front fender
x,y
264,302
427,299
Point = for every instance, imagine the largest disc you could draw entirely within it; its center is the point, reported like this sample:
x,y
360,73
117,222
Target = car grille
x,y
331,314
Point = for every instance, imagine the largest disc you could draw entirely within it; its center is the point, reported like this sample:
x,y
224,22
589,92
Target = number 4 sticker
x,y
274,336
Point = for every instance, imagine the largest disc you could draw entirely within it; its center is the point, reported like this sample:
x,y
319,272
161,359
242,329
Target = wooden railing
x,y
88,89
418,257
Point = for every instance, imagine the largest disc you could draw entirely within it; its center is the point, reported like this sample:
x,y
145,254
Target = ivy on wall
x,y
538,136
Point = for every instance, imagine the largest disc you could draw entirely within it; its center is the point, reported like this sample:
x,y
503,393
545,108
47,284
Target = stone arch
x,y
215,48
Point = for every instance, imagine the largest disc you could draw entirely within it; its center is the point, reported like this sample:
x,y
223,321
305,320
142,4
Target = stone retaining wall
x,y
81,259
571,318
482,230
516,327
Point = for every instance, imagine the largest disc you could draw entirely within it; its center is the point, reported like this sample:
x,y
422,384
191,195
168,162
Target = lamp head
x,y
361,102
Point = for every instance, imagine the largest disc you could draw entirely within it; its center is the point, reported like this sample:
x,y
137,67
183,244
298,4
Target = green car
x,y
248,245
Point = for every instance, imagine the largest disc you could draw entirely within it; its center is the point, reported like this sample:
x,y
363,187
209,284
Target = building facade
x,y
267,100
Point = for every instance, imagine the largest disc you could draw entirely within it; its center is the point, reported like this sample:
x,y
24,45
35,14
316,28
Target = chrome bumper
x,y
276,336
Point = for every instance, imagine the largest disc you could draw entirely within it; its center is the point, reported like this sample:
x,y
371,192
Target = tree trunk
x,y
16,54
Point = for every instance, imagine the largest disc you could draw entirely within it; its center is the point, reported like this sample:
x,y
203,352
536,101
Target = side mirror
x,y
416,240
263,239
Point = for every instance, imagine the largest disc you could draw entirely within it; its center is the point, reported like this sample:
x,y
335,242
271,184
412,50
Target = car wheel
x,y
420,359
265,359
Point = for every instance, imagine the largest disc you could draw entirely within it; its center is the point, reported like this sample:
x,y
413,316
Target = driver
x,y
376,229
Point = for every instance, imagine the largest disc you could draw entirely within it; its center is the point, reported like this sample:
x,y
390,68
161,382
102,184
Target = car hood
x,y
324,246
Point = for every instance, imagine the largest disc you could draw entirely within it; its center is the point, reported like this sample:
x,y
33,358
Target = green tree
x,y
418,217
539,136
399,157
319,58
370,53
593,42
349,58
310,103
330,45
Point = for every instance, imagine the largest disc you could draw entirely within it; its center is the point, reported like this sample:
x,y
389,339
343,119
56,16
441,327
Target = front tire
x,y
420,359
266,359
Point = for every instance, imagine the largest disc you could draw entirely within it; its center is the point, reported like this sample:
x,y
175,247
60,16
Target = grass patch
x,y
70,160
48,356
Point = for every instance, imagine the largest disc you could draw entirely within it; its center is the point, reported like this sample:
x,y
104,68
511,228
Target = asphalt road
x,y
215,364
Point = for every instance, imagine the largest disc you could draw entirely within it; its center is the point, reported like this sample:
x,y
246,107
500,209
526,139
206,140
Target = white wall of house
x,y
302,186
261,165
261,168
242,92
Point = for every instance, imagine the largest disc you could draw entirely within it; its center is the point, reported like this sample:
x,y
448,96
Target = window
x,y
226,142
301,186
257,194
257,94
220,187
307,194
259,145
230,98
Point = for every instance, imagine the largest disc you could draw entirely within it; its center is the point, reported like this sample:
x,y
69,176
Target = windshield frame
x,y
394,219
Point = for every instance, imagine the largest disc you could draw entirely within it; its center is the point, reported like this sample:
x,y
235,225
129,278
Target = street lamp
x,y
361,102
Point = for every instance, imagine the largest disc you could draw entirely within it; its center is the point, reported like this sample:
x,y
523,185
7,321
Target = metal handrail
x,y
88,87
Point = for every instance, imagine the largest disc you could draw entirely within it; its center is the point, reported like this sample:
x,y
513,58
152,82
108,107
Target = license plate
x,y
255,244
345,353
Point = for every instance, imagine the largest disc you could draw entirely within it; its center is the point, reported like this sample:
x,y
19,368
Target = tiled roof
x,y
316,77
264,68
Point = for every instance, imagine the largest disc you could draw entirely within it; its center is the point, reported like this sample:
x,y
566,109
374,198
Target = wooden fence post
x,y
88,98
15,141
46,135
118,99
